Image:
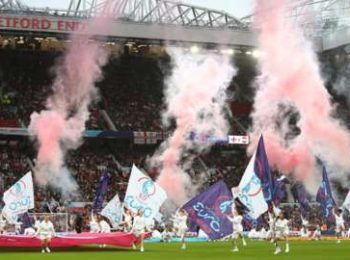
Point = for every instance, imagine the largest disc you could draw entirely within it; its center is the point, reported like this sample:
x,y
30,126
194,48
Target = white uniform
x,y
128,222
105,227
339,223
46,230
181,225
237,226
139,226
94,227
281,228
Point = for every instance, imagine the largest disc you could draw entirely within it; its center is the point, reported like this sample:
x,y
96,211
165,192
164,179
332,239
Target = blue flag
x,y
262,170
300,196
279,192
325,197
101,190
210,210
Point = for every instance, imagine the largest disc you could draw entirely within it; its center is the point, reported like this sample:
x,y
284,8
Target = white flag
x,y
19,198
346,203
113,211
250,191
143,193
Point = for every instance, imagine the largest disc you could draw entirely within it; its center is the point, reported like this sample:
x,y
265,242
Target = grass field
x,y
309,250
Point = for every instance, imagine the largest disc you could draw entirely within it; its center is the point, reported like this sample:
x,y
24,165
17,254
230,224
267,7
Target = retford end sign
x,y
125,29
41,23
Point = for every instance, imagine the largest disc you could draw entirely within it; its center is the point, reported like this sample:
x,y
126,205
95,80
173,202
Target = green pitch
x,y
308,250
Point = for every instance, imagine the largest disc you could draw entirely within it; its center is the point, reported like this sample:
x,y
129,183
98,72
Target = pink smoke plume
x,y
60,127
290,76
195,98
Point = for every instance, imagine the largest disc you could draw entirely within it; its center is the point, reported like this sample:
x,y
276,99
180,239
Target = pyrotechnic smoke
x,y
290,78
195,95
59,128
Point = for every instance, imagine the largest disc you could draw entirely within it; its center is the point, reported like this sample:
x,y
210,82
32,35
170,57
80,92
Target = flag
x,y
19,198
143,193
113,211
279,192
300,196
346,203
249,222
262,171
250,192
210,210
101,190
325,197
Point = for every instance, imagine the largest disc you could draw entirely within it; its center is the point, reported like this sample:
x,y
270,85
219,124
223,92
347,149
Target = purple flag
x,y
101,190
279,192
210,210
300,196
325,197
262,170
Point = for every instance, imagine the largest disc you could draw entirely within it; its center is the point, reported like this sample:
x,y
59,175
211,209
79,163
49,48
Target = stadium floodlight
x,y
256,53
194,49
229,52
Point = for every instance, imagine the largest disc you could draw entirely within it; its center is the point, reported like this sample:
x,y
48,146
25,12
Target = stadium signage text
x,y
41,23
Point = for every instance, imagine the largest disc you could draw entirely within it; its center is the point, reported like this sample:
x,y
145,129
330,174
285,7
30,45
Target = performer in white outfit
x,y
304,231
281,233
104,226
237,228
180,225
339,223
167,235
127,223
317,233
139,228
94,226
45,232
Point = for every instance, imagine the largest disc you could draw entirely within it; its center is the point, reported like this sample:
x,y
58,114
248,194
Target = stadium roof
x,y
168,20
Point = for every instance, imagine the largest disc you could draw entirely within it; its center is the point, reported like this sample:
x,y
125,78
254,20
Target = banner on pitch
x,y
210,210
19,198
250,191
143,193
113,211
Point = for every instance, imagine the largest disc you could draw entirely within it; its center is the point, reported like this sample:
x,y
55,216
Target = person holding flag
x,y
94,227
45,233
281,233
127,223
339,223
237,228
